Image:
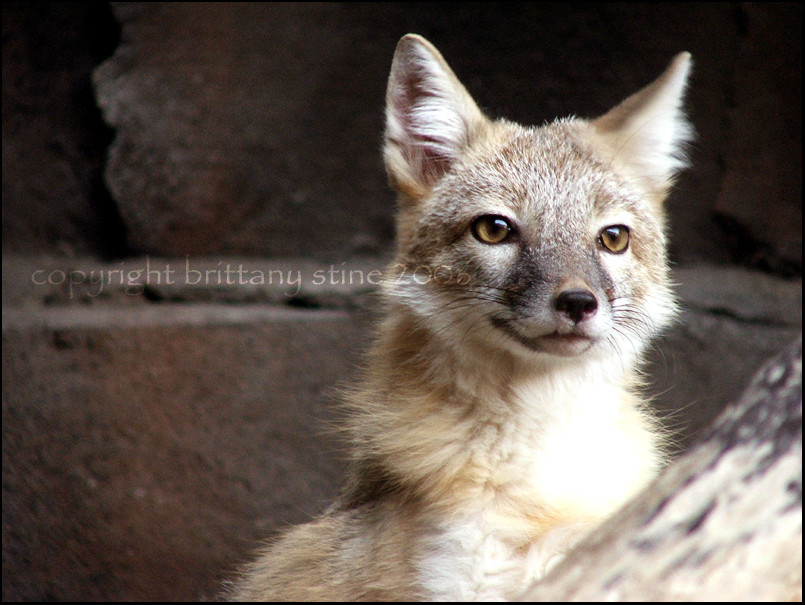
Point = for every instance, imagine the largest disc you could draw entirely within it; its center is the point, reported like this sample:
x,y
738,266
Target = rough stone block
x,y
145,451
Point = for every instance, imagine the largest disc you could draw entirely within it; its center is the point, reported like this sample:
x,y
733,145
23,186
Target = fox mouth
x,y
564,344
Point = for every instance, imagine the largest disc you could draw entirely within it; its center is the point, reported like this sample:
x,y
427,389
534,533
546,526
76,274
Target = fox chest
x,y
532,506
479,560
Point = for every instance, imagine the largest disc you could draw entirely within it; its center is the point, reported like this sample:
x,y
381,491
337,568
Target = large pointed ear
x,y
430,117
646,134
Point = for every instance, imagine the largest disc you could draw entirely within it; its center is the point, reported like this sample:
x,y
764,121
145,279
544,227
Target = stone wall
x,y
254,128
154,432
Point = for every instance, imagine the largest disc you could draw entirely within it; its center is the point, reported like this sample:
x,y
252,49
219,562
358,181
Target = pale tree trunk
x,y
722,523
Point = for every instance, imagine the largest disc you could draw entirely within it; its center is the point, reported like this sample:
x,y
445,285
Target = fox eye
x,y
615,239
492,229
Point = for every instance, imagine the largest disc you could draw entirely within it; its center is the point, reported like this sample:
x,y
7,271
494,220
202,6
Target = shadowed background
x,y
149,440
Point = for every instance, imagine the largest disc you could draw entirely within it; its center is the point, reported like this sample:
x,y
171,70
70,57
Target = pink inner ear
x,y
420,151
408,89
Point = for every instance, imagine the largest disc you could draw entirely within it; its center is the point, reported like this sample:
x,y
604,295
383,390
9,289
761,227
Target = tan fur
x,y
499,418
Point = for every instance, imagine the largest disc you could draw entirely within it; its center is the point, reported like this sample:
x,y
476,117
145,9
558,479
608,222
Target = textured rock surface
x,y
144,453
249,141
723,523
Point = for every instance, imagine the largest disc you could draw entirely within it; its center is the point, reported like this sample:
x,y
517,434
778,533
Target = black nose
x,y
578,305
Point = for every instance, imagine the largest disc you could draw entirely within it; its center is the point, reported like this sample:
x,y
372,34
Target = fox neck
x,y
448,422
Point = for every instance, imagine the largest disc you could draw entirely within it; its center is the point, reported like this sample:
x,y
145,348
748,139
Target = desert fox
x,y
499,417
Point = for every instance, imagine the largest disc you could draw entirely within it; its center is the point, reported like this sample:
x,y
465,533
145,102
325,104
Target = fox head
x,y
537,240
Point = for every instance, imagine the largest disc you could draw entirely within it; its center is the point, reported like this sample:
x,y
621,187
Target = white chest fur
x,y
571,461
475,560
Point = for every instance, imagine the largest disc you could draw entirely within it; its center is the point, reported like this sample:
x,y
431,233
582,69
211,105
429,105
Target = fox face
x,y
547,240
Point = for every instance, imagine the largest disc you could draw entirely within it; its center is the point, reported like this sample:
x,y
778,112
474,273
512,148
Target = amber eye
x,y
491,229
615,239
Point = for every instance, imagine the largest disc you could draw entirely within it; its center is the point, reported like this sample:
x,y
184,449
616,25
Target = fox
x,y
500,415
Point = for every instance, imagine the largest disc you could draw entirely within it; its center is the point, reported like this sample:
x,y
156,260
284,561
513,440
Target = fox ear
x,y
646,134
430,117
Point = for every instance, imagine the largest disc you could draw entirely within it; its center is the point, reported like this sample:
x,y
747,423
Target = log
x,y
723,522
